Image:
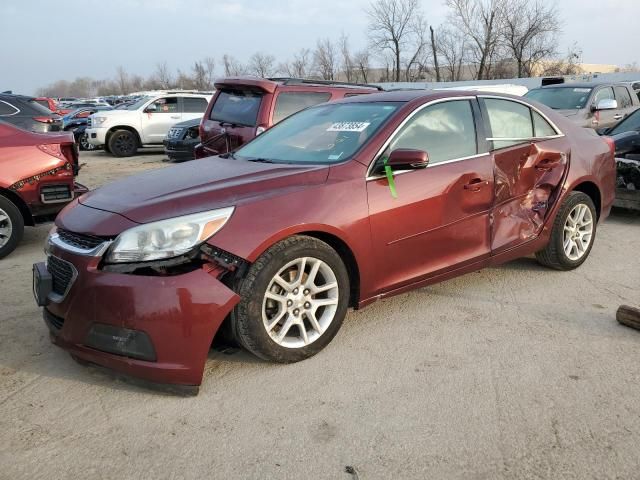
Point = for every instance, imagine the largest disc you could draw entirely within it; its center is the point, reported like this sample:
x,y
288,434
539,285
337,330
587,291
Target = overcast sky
x,y
44,40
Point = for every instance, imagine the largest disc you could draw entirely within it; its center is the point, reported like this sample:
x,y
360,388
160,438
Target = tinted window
x,y
39,108
166,105
541,127
445,131
508,120
238,107
561,98
44,103
603,94
319,135
631,123
289,103
623,97
194,105
7,109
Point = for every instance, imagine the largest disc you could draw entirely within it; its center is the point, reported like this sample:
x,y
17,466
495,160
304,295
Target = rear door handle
x,y
547,165
617,116
476,184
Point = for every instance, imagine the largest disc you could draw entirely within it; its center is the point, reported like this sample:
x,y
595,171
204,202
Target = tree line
x,y
480,39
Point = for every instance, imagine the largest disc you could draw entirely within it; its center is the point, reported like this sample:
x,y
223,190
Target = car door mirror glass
x,y
408,159
606,104
151,108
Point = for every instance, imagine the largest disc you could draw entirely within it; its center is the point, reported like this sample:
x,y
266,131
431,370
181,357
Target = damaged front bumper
x,y
157,328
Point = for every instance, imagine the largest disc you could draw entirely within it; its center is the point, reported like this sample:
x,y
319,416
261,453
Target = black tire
x,y
246,318
106,148
123,143
553,255
14,218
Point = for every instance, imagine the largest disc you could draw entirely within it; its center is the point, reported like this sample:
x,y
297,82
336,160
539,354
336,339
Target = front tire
x,y
11,226
123,143
293,300
573,234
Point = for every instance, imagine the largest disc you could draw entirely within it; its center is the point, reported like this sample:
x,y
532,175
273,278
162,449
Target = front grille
x,y
55,193
80,240
62,274
53,321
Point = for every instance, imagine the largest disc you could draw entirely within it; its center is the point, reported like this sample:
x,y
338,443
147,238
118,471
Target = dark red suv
x,y
337,206
244,107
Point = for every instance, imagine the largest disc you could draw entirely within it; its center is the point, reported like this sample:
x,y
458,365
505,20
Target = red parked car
x,y
244,107
337,206
36,180
47,102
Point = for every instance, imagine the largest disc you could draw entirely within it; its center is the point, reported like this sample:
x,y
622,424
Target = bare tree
x,y
232,67
361,62
348,66
416,64
530,33
482,21
122,78
163,76
299,66
325,59
452,49
434,52
262,64
567,65
391,28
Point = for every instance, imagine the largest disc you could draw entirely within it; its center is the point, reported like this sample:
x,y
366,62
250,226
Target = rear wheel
x,y
293,300
574,231
123,143
11,226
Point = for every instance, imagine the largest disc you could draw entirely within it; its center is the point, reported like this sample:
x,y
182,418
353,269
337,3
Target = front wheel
x,y
293,300
123,143
574,231
11,226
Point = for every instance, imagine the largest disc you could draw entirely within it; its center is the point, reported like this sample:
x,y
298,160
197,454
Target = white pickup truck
x,y
145,122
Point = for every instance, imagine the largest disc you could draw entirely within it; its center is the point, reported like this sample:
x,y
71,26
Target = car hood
x,y
189,123
199,186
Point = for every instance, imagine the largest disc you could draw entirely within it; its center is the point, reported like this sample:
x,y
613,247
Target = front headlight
x,y
97,121
167,238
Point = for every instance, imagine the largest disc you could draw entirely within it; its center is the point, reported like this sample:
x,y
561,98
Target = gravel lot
x,y
512,372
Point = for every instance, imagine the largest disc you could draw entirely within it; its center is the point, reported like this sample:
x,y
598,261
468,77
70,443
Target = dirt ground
x,y
511,372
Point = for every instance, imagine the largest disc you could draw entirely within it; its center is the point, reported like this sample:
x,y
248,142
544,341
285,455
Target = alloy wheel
x,y
300,302
578,232
124,143
6,228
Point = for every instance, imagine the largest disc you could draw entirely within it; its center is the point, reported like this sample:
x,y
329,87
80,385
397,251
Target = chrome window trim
x,y
417,110
558,134
55,297
54,240
17,110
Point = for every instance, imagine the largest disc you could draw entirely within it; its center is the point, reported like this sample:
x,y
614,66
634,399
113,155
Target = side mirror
x,y
606,104
408,159
151,108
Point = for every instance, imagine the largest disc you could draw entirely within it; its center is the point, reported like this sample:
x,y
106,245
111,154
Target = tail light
x,y
45,119
67,152
611,143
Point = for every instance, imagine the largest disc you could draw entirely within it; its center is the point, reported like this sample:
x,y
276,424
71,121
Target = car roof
x,y
270,85
583,85
419,95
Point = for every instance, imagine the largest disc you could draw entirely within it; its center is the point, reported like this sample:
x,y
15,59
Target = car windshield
x,y
325,134
137,104
237,107
561,98
629,124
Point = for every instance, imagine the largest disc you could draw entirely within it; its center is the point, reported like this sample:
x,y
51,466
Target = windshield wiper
x,y
260,160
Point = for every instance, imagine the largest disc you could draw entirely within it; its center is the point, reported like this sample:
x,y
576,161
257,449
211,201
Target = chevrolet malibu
x,y
338,206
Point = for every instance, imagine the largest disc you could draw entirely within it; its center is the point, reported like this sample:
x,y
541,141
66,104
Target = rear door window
x,y
510,122
289,103
7,109
194,104
237,107
541,127
623,97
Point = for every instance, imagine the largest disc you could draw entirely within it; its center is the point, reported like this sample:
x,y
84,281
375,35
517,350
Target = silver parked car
x,y
589,105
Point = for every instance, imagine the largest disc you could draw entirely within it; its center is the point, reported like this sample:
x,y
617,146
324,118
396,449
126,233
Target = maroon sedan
x,y
335,207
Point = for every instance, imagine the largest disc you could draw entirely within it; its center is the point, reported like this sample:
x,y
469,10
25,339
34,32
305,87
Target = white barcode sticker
x,y
348,127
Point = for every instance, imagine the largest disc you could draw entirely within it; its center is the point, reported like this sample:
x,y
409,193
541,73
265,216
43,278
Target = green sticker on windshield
x,y
389,172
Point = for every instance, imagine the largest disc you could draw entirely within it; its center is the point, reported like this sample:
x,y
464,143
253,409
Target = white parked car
x,y
145,122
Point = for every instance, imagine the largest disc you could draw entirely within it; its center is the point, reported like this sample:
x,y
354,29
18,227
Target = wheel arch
x,y
133,130
592,190
20,204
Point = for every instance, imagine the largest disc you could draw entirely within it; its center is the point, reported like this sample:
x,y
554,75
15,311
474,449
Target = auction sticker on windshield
x,y
348,127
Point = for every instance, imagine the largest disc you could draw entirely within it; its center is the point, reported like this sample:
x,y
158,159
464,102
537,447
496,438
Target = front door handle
x,y
476,184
